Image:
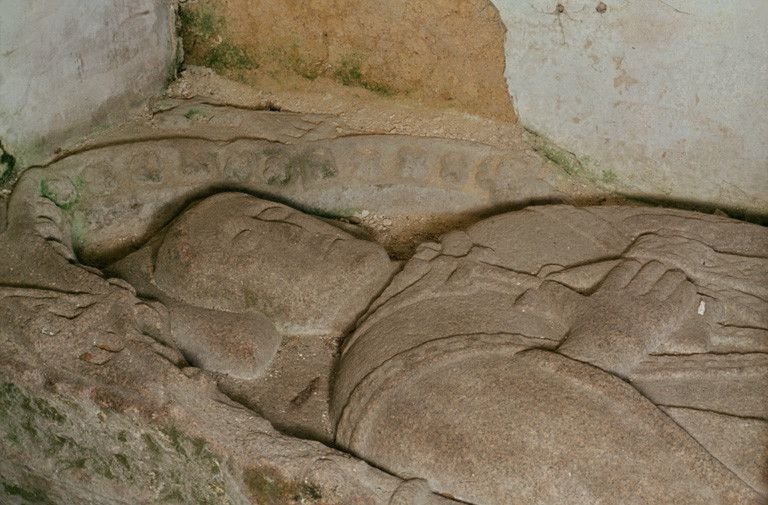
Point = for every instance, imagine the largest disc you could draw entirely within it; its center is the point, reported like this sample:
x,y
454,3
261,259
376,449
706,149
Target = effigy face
x,y
259,270
237,253
548,355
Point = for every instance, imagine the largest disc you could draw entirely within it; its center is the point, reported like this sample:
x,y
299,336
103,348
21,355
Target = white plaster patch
x,y
670,96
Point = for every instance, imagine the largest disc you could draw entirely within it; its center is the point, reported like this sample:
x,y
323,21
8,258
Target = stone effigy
x,y
99,405
549,355
233,265
571,355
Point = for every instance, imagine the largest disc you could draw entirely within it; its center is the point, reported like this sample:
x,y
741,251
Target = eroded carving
x,y
539,356
509,337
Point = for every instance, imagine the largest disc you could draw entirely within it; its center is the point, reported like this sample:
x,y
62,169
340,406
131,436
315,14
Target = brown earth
x,y
446,53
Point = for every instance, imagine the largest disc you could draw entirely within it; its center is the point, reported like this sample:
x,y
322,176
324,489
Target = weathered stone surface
x,y
236,253
671,301
97,406
740,443
542,428
489,368
133,180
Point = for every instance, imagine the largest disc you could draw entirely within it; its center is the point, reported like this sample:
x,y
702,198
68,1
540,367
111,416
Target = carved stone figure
x,y
549,355
233,265
563,355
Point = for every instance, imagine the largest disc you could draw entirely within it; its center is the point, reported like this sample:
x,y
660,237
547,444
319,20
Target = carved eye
x,y
560,8
601,7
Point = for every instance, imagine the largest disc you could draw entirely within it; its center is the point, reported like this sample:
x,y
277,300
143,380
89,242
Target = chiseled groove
x,y
707,353
711,411
696,440
154,138
35,287
395,356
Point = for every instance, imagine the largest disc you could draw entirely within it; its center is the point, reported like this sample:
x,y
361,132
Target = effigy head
x,y
237,253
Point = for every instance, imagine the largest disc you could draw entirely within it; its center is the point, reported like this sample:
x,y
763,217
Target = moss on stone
x,y
123,460
193,114
31,496
290,57
608,176
11,396
151,445
201,22
175,438
562,158
268,487
570,163
7,167
227,56
203,34
155,464
349,73
78,223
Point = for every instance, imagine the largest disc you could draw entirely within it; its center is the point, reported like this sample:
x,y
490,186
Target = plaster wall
x,y
666,98
67,66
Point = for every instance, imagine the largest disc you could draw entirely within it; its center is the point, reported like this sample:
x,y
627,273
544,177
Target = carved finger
x,y
668,283
621,275
647,277
684,297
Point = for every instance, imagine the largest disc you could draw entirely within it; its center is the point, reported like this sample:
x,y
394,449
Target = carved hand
x,y
636,309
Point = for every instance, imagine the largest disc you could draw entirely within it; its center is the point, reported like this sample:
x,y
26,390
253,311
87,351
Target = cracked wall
x,y
669,97
69,66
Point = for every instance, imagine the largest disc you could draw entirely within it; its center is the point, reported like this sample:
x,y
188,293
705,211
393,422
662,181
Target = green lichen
x,y
123,460
608,176
562,158
349,73
78,222
56,443
203,34
290,57
11,396
175,436
151,445
7,174
268,487
172,496
200,22
65,202
228,56
7,167
343,213
193,114
29,496
156,465
582,167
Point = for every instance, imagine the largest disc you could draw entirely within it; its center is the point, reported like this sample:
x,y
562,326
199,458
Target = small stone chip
x,y
96,356
301,398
